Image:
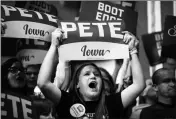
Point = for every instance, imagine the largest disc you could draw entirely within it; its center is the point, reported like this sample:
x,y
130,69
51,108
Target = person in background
x,y
147,98
12,76
85,98
18,85
149,94
31,73
164,81
170,63
13,89
44,109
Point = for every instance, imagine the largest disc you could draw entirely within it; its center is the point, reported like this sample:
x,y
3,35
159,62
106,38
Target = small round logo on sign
x,y
77,110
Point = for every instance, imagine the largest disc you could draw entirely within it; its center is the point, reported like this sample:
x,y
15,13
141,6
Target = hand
x,y
131,40
3,26
57,37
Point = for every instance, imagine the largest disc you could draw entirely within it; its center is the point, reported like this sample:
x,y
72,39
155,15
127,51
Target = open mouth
x,y
93,84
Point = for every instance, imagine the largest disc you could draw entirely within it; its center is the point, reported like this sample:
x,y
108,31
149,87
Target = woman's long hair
x,y
4,73
109,80
101,109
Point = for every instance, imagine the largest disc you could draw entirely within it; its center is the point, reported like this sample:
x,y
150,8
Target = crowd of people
x,y
89,91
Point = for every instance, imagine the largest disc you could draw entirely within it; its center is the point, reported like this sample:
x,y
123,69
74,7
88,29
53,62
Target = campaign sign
x,y
92,40
40,6
22,23
153,46
14,106
31,56
31,51
107,11
169,39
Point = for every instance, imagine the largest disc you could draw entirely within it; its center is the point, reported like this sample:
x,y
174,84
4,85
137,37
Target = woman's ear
x,y
77,86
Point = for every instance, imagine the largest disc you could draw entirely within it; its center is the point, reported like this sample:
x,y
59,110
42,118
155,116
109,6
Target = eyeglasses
x,y
30,73
15,70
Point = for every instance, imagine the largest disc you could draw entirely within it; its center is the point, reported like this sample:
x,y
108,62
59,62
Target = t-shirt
x,y
113,104
16,105
159,111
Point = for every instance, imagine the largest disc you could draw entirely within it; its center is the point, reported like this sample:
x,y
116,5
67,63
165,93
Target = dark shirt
x,y
113,104
15,105
159,111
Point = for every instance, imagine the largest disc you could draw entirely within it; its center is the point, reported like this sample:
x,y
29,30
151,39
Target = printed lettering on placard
x,y
36,32
16,105
84,28
159,40
106,12
93,52
172,31
20,12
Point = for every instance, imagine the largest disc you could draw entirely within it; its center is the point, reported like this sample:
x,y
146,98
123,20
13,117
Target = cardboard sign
x,y
107,11
31,51
92,41
33,28
169,41
153,46
15,106
22,23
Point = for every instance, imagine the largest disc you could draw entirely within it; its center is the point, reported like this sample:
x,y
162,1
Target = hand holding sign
x,y
131,40
57,37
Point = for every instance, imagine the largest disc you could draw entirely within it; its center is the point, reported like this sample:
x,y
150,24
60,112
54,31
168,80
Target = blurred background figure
x,y
12,76
165,85
44,109
149,95
31,73
147,98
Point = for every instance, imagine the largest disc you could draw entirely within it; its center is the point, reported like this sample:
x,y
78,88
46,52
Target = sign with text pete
x,y
14,106
40,6
153,46
107,11
22,23
169,38
92,40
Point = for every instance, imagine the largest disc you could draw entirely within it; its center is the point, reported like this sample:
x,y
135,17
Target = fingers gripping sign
x,y
131,40
57,37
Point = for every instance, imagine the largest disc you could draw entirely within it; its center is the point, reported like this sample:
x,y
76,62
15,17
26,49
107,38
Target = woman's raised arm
x,y
133,91
48,88
63,73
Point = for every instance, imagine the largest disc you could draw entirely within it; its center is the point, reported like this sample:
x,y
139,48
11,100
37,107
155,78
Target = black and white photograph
x,y
106,59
